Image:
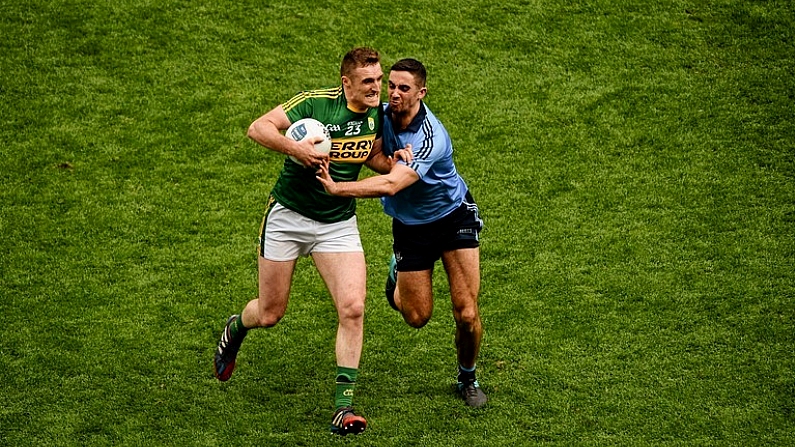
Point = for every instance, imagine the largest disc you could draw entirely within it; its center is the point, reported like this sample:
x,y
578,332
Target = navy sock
x,y
466,375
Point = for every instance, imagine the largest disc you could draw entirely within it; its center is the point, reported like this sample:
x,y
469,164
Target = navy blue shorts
x,y
418,247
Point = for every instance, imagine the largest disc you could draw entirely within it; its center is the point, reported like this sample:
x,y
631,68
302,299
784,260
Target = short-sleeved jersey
x,y
440,189
352,137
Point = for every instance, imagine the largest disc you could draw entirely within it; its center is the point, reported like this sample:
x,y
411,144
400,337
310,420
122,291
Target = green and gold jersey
x,y
352,137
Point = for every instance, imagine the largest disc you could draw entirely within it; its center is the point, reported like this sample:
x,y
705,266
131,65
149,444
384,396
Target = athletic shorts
x,y
418,247
286,235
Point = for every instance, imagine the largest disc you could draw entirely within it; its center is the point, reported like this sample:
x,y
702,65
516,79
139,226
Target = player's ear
x,y
346,81
423,92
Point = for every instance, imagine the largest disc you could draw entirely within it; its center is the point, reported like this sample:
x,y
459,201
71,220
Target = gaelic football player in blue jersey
x,y
434,217
302,220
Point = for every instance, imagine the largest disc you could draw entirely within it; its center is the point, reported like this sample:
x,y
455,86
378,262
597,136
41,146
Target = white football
x,y
306,128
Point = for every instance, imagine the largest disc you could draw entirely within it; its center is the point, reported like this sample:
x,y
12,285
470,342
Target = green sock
x,y
237,328
346,382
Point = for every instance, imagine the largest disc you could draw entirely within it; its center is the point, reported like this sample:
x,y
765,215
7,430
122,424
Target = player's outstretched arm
x,y
399,178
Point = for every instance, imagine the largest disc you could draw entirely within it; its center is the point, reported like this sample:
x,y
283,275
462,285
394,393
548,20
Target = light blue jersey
x,y
440,189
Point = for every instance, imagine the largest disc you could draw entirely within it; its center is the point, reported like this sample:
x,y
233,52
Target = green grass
x,y
634,162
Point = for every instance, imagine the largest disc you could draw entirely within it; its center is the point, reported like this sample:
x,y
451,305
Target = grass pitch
x,y
633,161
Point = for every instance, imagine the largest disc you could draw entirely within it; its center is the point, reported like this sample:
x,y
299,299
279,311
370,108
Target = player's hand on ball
x,y
314,142
307,154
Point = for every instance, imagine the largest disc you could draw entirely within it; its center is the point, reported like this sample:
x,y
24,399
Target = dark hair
x,y
358,57
414,67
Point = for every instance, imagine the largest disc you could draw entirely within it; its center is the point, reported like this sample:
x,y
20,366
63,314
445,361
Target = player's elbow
x,y
394,184
253,131
389,192
259,128
390,189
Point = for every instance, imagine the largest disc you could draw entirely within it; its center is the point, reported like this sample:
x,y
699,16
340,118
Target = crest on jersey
x,y
371,122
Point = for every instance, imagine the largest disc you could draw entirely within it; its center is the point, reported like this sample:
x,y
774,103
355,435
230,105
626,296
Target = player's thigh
x,y
275,278
415,289
463,273
345,275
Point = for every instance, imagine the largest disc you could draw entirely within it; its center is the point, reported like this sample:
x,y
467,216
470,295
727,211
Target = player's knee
x,y
353,310
416,319
266,319
467,318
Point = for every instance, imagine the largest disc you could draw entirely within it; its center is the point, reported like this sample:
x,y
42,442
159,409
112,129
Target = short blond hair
x,y
358,57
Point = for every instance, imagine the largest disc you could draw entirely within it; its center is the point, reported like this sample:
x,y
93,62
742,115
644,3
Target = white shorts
x,y
287,235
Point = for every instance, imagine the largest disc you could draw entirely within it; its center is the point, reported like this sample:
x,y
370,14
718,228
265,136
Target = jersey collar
x,y
416,123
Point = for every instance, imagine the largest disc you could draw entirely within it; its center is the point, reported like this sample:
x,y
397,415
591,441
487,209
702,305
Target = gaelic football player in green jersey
x,y
301,219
